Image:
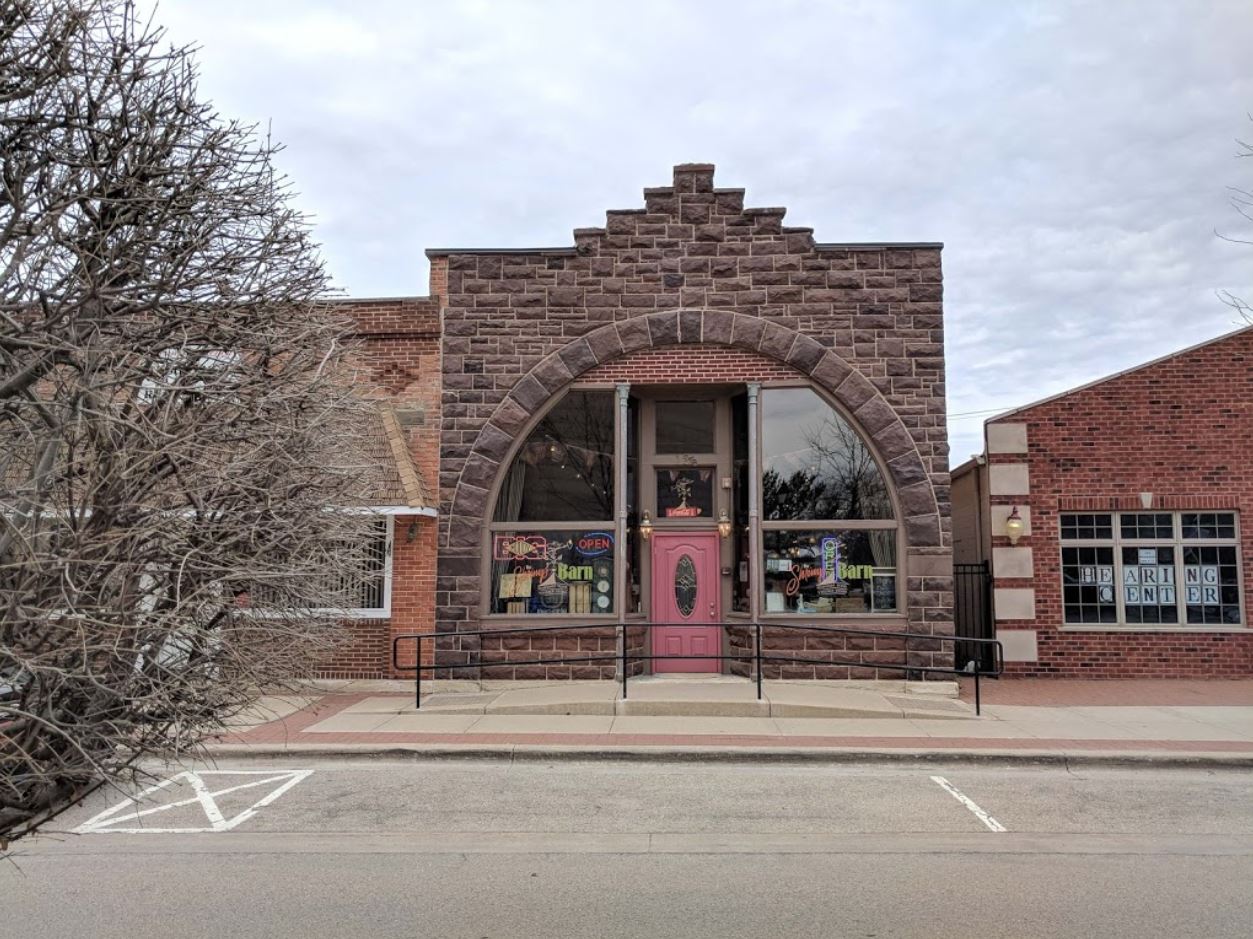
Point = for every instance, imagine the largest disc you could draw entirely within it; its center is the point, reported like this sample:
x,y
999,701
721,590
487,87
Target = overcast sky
x,y
1074,158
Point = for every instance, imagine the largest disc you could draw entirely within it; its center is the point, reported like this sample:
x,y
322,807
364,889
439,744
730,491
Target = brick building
x,y
695,415
1134,495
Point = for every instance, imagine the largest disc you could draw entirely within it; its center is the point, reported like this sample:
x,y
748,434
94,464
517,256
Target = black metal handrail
x,y
623,657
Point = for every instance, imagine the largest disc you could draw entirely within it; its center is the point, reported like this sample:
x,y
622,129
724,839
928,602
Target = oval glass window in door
x,y
685,585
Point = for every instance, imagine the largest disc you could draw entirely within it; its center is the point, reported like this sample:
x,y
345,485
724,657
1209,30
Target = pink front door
x,y
686,591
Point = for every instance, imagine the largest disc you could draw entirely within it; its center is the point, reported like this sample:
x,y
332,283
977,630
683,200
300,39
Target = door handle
x,y
711,609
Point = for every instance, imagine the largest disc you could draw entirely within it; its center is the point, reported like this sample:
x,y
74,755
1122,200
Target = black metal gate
x,y
972,614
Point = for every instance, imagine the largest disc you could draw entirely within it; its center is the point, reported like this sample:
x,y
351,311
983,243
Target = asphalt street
x,y
493,849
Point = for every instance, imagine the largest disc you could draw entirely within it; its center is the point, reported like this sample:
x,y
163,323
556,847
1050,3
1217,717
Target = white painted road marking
x,y
109,819
969,803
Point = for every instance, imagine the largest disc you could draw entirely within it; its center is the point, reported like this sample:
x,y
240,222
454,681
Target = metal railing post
x,y
977,701
757,657
624,661
417,674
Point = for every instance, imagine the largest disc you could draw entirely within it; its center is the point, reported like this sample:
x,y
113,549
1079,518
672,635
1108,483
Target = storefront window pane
x,y
1088,585
552,572
564,471
826,571
814,464
1211,584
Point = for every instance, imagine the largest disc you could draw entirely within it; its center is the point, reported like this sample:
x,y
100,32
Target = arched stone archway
x,y
874,415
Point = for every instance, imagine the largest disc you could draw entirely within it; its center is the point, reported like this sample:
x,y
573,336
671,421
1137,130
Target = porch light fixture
x,y
1014,526
646,527
724,524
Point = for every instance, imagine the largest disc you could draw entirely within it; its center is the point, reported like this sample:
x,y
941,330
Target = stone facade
x,y
696,281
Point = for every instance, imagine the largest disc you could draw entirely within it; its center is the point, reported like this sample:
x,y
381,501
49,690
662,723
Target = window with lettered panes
x,y
1150,568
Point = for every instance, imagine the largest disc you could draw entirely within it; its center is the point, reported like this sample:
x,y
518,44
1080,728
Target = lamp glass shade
x,y
1014,526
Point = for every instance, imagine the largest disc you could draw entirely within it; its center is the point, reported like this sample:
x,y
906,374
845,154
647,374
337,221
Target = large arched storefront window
x,y
552,542
828,539
829,535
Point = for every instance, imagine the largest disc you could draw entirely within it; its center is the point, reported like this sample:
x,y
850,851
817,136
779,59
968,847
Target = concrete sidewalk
x,y
722,718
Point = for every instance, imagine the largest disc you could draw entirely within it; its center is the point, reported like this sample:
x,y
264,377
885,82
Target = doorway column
x,y
621,590
755,574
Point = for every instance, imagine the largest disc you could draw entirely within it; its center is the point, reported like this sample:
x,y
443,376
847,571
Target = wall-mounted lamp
x,y
724,524
646,527
411,533
1014,526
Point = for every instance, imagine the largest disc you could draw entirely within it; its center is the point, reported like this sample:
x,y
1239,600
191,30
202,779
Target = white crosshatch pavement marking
x,y
111,821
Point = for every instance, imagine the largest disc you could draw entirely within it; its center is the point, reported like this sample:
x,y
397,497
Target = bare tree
x,y
177,425
1242,202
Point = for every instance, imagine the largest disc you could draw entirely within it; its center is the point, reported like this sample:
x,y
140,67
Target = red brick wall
x,y
1181,429
691,365
369,654
401,357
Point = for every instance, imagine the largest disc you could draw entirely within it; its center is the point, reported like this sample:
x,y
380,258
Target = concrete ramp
x,y
719,696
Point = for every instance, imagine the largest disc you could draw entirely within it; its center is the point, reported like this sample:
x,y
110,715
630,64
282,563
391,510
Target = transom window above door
x,y
685,426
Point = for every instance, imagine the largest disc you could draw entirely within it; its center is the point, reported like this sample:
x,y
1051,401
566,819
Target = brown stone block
x,y
578,357
894,441
634,334
664,328
855,391
717,326
923,530
493,443
552,373
907,468
776,341
479,470
875,415
831,370
605,343
845,280
805,353
747,330
933,293
689,326
917,499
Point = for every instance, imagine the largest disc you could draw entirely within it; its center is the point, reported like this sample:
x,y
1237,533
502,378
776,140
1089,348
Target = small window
x,y
1211,584
1154,568
1147,525
1088,585
1087,527
685,493
1207,526
685,427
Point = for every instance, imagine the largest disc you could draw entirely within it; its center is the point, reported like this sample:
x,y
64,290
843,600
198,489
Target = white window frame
x,y
1176,541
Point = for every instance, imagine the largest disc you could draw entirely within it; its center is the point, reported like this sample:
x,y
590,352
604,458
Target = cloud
x,y
1073,157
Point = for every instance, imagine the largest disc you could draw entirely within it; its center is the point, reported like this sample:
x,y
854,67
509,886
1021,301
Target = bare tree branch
x,y
177,415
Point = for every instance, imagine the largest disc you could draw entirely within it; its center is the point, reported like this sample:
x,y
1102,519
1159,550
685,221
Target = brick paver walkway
x,y
294,730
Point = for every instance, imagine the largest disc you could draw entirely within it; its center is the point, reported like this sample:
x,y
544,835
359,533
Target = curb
x,y
778,755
